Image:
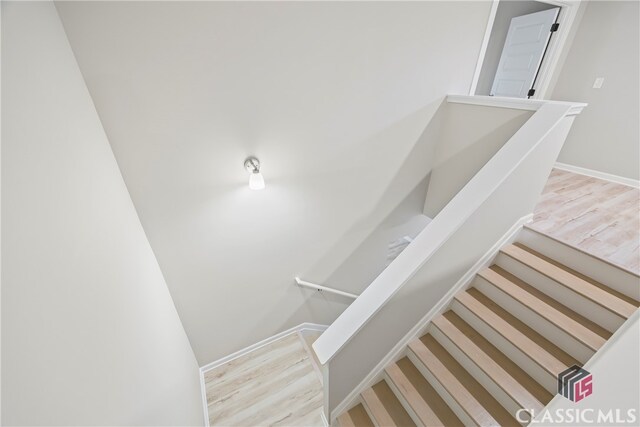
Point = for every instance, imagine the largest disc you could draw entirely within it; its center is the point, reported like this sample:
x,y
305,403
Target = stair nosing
x,y
516,293
529,402
390,373
351,421
618,311
386,414
369,396
543,364
345,416
432,418
447,387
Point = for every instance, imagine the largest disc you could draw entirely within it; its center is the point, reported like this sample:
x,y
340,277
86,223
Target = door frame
x,y
552,58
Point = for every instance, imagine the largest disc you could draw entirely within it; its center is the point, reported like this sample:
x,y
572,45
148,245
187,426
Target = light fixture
x,y
256,181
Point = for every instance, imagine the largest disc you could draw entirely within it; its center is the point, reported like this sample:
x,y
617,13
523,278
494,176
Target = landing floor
x,y
596,216
278,384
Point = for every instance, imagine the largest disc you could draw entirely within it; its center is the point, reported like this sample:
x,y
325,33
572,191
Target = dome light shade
x,y
256,181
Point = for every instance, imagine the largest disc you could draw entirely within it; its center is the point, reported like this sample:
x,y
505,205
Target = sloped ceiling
x,y
331,97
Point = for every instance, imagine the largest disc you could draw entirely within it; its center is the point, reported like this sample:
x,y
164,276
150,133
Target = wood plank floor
x,y
274,385
596,216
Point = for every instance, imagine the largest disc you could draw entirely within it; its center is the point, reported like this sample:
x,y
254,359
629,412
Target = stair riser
x,y
403,401
538,373
560,293
498,393
460,413
550,331
601,271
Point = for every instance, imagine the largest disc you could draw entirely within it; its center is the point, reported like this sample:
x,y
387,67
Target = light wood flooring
x,y
277,384
596,216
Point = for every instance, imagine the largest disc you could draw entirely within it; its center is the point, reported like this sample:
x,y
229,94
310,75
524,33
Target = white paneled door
x,y
522,54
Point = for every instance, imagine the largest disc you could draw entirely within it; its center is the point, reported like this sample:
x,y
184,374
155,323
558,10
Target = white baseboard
x,y
203,392
324,419
597,174
421,327
301,327
312,327
209,366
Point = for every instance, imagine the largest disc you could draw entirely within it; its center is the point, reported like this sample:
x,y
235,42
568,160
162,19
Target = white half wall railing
x,y
504,190
320,288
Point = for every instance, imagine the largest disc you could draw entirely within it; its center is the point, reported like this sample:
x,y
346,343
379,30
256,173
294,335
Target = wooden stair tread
x,y
542,305
355,417
531,343
425,401
587,323
601,295
474,399
506,374
385,406
630,300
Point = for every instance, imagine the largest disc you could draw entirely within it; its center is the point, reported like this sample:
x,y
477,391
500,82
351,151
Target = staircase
x,y
501,343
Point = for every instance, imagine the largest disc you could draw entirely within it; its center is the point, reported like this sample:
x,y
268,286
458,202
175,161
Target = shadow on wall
x,y
442,160
373,255
466,149
364,248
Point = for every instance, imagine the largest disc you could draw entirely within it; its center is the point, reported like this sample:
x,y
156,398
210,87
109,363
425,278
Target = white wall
x,y
332,97
0,218
90,335
463,150
507,9
374,254
606,137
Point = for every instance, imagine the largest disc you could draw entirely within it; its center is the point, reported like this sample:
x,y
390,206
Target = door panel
x,y
526,34
522,54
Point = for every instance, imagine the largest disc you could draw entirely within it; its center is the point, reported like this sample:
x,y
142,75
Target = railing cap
x,y
513,103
